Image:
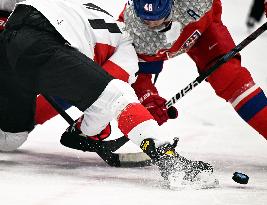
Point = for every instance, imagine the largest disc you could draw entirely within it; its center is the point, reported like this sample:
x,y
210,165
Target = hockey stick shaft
x,y
215,66
59,109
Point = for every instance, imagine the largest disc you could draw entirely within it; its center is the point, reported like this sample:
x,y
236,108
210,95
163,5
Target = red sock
x,y
253,109
259,122
131,116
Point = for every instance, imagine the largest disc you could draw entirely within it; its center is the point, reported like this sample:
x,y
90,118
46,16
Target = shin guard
x,y
251,106
234,83
131,116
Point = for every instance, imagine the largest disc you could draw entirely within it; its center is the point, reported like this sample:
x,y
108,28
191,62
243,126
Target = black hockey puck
x,y
240,178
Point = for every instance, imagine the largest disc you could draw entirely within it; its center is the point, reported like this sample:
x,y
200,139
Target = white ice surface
x,y
43,172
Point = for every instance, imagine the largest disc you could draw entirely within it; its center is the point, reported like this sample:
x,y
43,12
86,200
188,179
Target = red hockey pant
x,y
231,81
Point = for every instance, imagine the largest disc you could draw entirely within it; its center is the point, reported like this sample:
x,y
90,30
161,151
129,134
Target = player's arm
x,y
123,64
149,97
146,91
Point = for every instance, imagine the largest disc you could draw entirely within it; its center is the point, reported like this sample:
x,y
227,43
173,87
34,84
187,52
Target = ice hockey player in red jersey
x,y
163,29
50,47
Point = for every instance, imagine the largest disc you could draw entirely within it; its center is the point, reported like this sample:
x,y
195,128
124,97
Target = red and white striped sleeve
x,y
123,64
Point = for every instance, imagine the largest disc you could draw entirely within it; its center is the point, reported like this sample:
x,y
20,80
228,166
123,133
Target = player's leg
x,y
16,109
16,117
119,101
48,66
231,81
44,111
51,67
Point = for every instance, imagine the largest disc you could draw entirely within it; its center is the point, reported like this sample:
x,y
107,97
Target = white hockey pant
x,y
116,96
11,141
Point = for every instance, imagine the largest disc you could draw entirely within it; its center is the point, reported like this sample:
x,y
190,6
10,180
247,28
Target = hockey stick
x,y
141,159
215,66
105,149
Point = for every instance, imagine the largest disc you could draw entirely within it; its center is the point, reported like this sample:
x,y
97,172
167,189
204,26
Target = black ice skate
x,y
177,170
75,139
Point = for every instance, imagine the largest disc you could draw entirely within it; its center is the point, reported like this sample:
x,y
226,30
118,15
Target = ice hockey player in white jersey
x,y
51,46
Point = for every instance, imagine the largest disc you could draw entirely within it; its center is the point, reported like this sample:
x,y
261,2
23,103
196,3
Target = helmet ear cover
x,y
152,10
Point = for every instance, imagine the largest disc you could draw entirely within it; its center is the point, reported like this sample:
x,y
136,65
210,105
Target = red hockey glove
x,y
149,97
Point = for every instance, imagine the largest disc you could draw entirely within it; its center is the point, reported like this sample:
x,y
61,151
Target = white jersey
x,y
93,32
8,5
